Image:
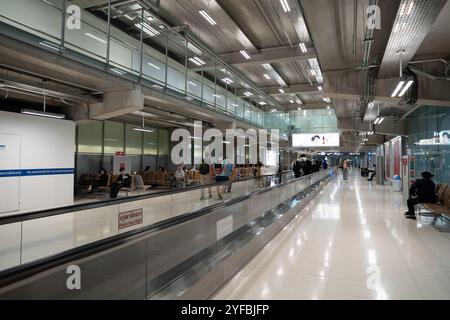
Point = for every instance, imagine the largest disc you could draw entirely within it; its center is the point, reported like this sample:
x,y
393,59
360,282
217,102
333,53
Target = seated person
x,y
100,181
123,181
422,191
179,176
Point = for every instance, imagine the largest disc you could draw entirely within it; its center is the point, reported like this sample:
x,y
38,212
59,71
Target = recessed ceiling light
x,y
208,17
227,80
303,47
291,101
248,94
266,76
281,90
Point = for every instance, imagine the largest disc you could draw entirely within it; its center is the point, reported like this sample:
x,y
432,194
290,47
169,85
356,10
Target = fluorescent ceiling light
x,y
245,54
248,94
154,66
285,6
217,96
327,100
281,90
399,86
226,142
303,47
299,109
313,72
408,85
147,29
291,101
93,36
142,130
50,45
381,120
266,76
43,114
192,83
320,88
150,18
208,17
235,105
197,61
328,107
227,80
118,71
262,103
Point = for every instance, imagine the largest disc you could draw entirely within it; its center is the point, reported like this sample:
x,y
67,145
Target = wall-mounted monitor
x,y
315,140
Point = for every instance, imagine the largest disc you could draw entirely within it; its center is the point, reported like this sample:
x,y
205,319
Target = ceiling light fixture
x,y
285,6
400,90
147,29
143,126
408,85
303,47
314,73
43,114
227,80
291,101
154,66
90,35
266,76
207,17
262,103
245,54
320,88
197,61
281,90
248,94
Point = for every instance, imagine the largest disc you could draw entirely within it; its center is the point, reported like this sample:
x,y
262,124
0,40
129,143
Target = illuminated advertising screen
x,y
315,140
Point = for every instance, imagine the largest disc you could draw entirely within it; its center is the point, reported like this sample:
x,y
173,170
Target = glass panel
x,y
154,69
37,17
133,140
91,39
151,142
163,142
10,236
113,137
90,137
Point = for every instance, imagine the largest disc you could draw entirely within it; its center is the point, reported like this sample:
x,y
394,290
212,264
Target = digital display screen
x,y
315,140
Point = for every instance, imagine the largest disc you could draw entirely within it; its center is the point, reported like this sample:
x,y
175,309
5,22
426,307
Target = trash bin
x,y
397,184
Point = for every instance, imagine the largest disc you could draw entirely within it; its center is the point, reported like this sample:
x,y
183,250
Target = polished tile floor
x,y
351,242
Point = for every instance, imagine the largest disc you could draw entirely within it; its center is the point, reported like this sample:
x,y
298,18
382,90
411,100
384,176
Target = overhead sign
x,y
315,140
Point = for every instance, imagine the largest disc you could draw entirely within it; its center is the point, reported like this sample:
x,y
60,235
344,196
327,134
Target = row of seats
x,y
86,180
443,205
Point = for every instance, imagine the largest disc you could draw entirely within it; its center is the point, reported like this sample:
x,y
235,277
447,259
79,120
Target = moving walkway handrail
x,y
12,218
25,270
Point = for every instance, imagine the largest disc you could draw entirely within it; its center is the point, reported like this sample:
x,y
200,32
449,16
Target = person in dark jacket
x,y
422,191
297,169
100,181
123,181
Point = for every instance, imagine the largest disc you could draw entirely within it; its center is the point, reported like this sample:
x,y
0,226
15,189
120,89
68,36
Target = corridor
x,y
351,242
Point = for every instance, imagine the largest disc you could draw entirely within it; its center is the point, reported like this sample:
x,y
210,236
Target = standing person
x,y
123,181
205,178
374,172
228,171
297,169
345,171
218,172
422,191
325,164
180,177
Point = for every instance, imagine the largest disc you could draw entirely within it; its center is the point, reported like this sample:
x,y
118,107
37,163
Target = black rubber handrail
x,y
13,218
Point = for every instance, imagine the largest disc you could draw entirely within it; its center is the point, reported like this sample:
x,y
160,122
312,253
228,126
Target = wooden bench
x,y
440,211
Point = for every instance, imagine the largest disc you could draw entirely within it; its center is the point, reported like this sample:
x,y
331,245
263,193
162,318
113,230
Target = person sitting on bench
x,y
100,181
123,181
422,191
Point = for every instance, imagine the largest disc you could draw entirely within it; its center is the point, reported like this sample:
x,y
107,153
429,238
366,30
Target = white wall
x,y
44,144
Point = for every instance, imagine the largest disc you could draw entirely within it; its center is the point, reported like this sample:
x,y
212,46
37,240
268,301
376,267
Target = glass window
x,y
163,142
151,142
133,140
113,137
90,137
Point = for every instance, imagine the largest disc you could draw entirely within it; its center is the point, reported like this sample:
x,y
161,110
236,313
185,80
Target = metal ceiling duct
x,y
414,21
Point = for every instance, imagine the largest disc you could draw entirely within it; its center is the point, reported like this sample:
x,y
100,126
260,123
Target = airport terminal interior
x,y
225,149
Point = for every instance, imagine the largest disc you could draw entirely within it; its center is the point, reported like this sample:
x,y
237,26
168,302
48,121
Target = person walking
x,y
345,171
205,178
